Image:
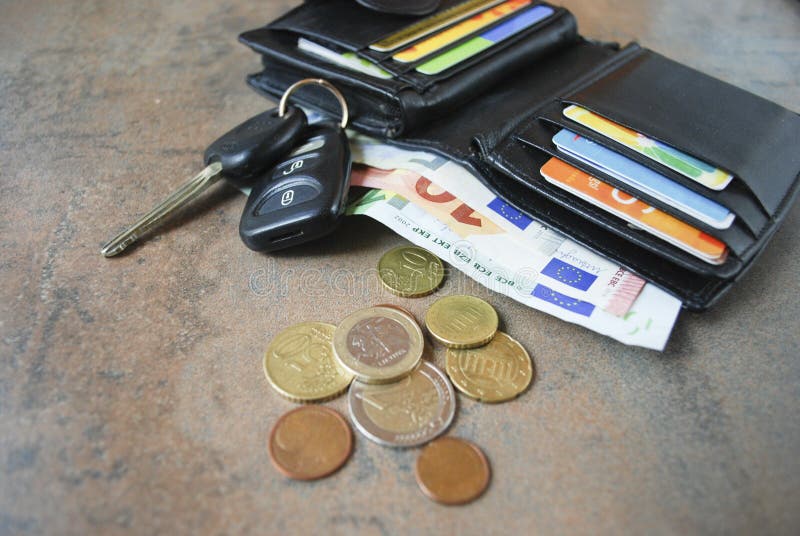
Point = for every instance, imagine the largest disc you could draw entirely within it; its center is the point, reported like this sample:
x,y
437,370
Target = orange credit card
x,y
459,31
639,214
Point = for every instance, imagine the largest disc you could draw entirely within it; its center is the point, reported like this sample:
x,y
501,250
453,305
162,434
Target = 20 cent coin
x,y
497,372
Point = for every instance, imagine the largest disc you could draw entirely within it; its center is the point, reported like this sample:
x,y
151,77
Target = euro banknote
x,y
647,323
550,260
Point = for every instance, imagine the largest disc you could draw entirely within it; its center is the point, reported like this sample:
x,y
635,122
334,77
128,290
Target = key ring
x,y
320,82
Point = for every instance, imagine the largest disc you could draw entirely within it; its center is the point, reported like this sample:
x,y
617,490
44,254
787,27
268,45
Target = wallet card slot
x,y
345,23
696,291
508,55
386,60
527,162
752,138
736,196
538,137
281,48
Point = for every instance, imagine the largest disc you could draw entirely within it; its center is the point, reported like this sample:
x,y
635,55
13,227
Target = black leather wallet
x,y
498,112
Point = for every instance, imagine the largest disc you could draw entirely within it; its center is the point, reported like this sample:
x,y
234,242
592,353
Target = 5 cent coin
x,y
452,471
310,442
378,344
410,272
462,321
300,365
407,413
497,372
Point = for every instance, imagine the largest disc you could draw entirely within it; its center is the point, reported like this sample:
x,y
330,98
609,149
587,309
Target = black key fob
x,y
303,198
257,144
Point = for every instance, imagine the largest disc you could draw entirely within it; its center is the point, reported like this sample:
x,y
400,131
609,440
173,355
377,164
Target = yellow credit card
x,y
459,31
432,24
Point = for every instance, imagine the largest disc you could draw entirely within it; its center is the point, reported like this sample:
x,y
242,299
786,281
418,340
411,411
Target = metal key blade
x,y
183,195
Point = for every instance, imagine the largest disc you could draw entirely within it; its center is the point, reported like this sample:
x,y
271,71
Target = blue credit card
x,y
643,179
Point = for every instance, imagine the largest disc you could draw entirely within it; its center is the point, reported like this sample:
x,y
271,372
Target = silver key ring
x,y
319,82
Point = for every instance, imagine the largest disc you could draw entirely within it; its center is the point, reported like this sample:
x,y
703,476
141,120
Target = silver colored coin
x,y
407,413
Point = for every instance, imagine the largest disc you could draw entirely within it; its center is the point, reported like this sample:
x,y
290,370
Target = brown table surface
x,y
132,397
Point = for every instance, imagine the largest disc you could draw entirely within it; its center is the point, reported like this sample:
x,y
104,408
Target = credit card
x,y
635,212
644,179
476,45
432,24
348,60
686,165
459,31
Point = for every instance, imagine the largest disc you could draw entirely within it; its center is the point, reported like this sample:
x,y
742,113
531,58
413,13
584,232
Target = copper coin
x,y
452,471
310,442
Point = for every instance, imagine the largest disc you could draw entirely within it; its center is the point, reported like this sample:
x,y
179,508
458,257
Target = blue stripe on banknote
x,y
562,300
510,213
569,275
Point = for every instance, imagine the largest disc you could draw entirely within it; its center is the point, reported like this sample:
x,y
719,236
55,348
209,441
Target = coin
x,y
399,308
497,372
410,272
300,365
310,442
407,413
462,321
452,471
378,344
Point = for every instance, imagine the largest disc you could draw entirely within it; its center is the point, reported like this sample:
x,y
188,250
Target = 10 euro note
x,y
647,323
550,261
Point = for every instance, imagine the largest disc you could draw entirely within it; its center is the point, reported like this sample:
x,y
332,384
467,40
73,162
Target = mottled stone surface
x,y
131,392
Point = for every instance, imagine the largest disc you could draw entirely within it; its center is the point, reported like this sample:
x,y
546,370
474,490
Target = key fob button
x,y
300,164
288,196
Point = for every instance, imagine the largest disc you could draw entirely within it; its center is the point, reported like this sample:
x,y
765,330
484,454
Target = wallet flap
x,y
737,197
538,135
755,139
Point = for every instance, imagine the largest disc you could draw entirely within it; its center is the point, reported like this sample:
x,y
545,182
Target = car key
x,y
304,197
240,156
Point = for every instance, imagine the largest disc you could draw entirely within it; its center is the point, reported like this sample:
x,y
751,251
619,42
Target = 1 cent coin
x,y
452,471
462,321
378,344
300,365
407,413
410,272
310,442
497,372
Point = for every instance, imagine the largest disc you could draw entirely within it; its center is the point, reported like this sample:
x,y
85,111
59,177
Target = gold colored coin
x,y
497,372
452,471
399,308
310,442
462,321
410,272
378,344
300,363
